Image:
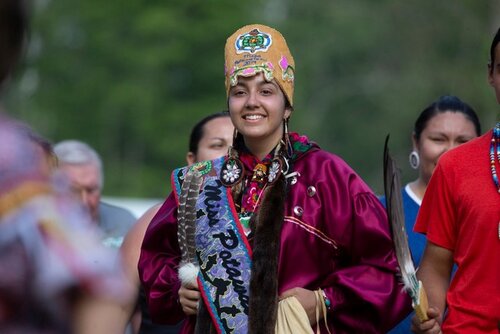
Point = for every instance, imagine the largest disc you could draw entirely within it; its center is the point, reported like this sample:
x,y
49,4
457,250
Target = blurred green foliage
x,y
131,77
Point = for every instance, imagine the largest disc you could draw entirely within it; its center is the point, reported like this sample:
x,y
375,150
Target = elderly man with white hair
x,y
83,168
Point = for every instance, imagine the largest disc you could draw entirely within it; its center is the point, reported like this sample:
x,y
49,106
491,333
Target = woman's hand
x,y
430,326
307,299
189,297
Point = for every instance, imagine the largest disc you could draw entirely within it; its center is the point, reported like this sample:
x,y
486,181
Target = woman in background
x,y
210,138
443,125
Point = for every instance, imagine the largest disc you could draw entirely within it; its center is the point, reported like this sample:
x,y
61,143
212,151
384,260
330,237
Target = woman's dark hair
x,y
494,44
197,131
444,104
13,30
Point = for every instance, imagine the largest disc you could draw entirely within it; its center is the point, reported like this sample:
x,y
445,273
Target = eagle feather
x,y
186,219
395,214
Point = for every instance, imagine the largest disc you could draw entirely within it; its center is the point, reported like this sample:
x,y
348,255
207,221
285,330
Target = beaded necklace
x,y
495,154
494,157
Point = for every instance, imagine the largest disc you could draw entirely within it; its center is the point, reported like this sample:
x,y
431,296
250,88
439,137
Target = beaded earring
x,y
286,138
279,165
414,159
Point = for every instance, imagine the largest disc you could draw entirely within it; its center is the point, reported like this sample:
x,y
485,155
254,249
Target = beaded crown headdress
x,y
258,48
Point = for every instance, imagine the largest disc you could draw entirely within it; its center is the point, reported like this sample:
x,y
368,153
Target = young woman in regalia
x,y
277,236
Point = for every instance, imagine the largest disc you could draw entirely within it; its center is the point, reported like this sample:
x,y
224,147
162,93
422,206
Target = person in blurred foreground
x,y
54,274
55,277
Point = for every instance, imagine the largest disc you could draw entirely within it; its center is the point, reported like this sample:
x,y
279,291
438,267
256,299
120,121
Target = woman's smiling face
x,y
258,108
443,132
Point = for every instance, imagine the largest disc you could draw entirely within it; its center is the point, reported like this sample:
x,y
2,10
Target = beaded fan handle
x,y
422,305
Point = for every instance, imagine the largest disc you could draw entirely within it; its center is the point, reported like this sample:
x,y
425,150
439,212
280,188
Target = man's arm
x,y
434,272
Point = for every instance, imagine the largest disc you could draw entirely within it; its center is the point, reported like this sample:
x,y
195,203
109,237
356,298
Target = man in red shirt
x,y
460,215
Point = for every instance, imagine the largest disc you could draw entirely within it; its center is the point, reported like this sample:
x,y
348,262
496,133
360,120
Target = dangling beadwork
x,y
275,170
495,154
232,170
286,139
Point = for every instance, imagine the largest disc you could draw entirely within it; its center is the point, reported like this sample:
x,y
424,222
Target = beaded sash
x,y
223,251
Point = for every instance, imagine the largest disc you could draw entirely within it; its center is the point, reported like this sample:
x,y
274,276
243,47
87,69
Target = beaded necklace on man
x,y
494,154
494,157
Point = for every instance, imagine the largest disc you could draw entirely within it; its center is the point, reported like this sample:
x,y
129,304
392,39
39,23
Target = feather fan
x,y
186,219
395,213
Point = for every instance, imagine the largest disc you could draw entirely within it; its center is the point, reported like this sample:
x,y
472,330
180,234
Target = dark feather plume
x,y
186,217
395,214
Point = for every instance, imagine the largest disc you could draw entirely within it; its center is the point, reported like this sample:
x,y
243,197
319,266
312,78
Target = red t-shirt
x,y
461,212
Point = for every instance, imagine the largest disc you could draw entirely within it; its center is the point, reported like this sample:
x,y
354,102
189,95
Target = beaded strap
x,y
322,305
328,304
